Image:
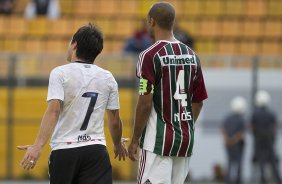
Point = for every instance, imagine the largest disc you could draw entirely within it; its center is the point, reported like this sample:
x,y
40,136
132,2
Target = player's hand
x,y
120,149
132,150
31,156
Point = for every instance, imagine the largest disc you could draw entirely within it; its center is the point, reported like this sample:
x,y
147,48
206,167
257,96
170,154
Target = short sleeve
x,y
199,88
146,74
56,85
113,100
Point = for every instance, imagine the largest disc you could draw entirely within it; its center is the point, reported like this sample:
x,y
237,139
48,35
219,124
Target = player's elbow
x,y
54,108
115,124
144,109
55,113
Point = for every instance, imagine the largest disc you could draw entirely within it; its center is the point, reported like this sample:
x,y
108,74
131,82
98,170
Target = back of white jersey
x,y
86,91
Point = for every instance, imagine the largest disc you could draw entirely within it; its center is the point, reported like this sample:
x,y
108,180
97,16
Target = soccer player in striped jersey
x,y
79,93
170,99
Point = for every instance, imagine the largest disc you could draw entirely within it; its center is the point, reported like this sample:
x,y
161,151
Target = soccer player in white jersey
x,y
170,99
78,95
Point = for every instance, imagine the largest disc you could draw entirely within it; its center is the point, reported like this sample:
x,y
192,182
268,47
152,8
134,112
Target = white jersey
x,y
86,90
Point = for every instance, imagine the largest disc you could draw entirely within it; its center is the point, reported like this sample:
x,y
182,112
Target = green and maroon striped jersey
x,y
172,72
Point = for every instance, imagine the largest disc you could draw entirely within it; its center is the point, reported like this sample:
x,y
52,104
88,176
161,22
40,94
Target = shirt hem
x,y
74,145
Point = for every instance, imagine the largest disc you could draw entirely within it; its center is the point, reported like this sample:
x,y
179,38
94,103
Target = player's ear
x,y
153,22
74,45
150,20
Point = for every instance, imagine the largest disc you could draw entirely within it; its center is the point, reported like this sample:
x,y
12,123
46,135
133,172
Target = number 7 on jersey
x,y
90,109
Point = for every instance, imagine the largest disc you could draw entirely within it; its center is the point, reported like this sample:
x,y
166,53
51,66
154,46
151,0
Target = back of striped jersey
x,y
170,71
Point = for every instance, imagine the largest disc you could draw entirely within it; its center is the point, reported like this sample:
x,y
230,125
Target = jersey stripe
x,y
181,109
188,129
172,103
167,110
159,103
159,136
176,106
167,106
184,124
160,128
178,51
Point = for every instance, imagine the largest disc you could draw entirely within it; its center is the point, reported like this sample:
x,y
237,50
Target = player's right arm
x,y
115,127
48,124
55,98
199,93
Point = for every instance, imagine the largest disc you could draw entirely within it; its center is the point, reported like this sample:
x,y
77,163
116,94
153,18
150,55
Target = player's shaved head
x,y
164,15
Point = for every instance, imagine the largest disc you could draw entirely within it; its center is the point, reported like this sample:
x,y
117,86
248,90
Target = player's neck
x,y
164,35
76,59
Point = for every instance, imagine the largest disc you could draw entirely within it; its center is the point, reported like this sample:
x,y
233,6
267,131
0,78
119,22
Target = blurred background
x,y
239,43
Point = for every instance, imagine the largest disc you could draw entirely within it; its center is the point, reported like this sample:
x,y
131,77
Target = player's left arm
x,y
146,73
48,124
142,113
115,128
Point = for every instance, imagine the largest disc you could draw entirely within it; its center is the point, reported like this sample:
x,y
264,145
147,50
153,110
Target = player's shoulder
x,y
189,49
103,71
152,50
62,67
57,70
105,75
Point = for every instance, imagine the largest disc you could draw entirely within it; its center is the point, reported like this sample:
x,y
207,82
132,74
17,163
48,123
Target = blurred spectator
x,y
233,130
183,36
49,8
6,6
140,41
264,126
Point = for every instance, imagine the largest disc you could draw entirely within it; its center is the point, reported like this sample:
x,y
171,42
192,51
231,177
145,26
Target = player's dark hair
x,y
164,14
89,41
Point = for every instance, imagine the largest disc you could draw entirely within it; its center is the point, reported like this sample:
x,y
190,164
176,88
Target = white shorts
x,y
154,169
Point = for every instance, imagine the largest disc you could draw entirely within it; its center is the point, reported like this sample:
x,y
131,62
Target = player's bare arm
x,y
142,113
196,109
115,127
48,123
